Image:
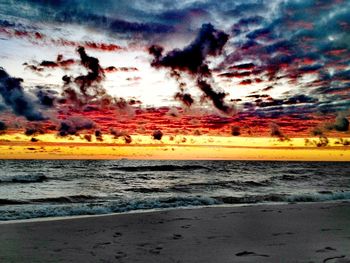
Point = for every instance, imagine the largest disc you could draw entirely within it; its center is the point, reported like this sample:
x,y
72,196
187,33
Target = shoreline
x,y
157,210
297,232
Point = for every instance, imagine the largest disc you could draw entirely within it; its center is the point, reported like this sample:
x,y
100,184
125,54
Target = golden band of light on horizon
x,y
49,146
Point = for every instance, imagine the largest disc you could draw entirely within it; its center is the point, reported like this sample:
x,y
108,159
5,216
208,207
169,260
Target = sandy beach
x,y
317,232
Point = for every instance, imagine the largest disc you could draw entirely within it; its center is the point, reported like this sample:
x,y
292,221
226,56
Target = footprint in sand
x,y
267,210
326,249
120,254
156,250
143,244
330,229
101,244
276,244
248,253
235,212
117,234
330,259
177,236
282,234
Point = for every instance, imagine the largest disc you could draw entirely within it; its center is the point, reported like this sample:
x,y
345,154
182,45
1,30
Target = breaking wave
x,y
34,178
149,168
82,205
30,189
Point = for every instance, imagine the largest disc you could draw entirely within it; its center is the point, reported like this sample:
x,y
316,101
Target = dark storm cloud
x,y
301,98
299,105
235,130
15,97
276,132
244,66
157,135
59,63
341,124
3,126
121,26
186,98
216,97
145,19
95,71
73,125
84,88
46,97
119,133
300,39
209,42
185,14
260,33
193,60
34,130
123,17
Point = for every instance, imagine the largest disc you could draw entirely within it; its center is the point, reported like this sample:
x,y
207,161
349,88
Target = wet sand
x,y
317,232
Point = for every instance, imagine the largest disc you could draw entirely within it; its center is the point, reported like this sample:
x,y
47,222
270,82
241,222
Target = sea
x,y
54,188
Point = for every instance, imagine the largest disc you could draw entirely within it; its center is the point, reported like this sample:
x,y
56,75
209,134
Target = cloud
x,y
157,135
3,126
294,52
98,135
117,133
121,26
185,98
216,97
276,132
95,72
341,124
110,17
89,87
72,125
15,97
192,59
301,40
59,63
45,96
235,130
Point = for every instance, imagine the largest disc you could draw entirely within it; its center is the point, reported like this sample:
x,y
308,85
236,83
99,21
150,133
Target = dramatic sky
x,y
254,68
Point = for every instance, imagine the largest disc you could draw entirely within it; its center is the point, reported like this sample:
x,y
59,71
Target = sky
x,y
252,68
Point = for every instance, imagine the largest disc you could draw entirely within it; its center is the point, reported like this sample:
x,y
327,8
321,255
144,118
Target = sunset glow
x,y
261,80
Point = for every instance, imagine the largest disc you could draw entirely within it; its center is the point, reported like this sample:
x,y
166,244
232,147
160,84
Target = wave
x,y
149,168
223,184
81,205
12,202
146,190
65,199
29,178
307,197
290,177
319,197
60,199
36,211
251,199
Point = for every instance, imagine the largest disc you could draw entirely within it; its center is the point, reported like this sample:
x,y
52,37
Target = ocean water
x,y
35,188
